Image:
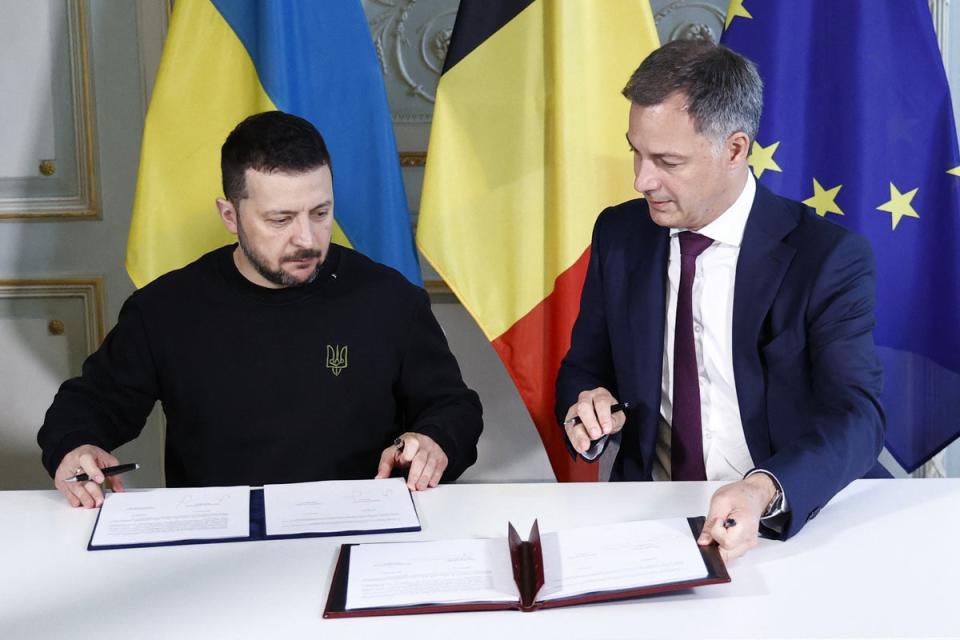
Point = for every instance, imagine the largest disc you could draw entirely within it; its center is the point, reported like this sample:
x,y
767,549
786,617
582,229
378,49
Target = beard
x,y
278,276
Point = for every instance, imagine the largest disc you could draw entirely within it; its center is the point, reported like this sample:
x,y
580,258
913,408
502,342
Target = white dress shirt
x,y
726,456
725,452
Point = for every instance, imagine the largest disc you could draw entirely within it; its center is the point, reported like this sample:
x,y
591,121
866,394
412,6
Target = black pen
x,y
620,406
729,522
106,471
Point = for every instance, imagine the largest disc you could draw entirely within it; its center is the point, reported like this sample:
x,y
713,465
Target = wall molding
x,y
84,204
88,290
940,12
153,21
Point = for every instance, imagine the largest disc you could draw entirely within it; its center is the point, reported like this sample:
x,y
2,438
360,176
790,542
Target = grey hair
x,y
723,91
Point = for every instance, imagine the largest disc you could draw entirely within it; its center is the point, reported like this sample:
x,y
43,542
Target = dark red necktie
x,y
686,445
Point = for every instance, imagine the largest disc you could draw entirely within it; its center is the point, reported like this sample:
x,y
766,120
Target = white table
x,y
881,561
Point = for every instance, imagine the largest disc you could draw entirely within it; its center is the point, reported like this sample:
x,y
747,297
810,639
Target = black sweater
x,y
244,378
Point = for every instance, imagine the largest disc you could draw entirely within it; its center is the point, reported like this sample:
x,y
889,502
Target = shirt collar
x,y
729,226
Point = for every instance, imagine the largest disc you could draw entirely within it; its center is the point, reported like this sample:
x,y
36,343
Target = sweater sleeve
x,y
434,398
108,404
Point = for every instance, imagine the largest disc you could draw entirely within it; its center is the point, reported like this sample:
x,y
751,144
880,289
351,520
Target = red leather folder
x,y
527,560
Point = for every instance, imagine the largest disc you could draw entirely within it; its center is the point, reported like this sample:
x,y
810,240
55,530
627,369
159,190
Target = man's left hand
x,y
424,457
744,502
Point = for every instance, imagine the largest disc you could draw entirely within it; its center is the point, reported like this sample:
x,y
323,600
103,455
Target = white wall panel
x,y
46,331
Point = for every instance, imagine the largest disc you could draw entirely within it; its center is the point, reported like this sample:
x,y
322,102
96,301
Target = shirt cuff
x,y
776,520
596,449
783,507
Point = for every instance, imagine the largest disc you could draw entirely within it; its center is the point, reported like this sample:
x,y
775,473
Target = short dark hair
x,y
723,90
268,142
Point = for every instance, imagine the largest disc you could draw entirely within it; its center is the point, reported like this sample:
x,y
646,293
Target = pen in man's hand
x,y
398,443
621,406
729,522
106,471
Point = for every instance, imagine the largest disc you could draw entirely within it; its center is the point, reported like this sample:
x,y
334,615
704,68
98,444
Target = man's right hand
x,y
596,421
86,459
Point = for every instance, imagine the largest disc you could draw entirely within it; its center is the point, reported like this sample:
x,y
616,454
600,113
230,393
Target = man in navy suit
x,y
736,323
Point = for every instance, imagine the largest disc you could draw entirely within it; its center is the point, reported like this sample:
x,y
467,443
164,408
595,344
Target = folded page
x,y
338,505
400,574
619,556
168,515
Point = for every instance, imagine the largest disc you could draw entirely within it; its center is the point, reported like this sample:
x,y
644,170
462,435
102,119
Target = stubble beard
x,y
277,276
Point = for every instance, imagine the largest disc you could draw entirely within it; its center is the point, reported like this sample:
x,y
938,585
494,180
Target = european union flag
x,y
857,124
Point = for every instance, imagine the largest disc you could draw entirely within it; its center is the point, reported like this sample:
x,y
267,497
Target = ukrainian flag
x,y
227,59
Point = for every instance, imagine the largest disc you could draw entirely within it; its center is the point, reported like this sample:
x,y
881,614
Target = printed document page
x,y
169,515
619,556
338,505
415,573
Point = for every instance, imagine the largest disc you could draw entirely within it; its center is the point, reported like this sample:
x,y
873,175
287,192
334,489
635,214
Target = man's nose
x,y
645,177
302,232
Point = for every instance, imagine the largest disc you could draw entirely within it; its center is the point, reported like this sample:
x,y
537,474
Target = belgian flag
x,y
527,147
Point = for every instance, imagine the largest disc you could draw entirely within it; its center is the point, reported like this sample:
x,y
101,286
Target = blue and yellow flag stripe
x,y
227,59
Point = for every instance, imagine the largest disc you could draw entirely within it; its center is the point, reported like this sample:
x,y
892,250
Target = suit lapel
x,y
763,261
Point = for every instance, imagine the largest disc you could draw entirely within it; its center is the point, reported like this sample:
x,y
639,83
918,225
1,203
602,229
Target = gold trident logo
x,y
336,358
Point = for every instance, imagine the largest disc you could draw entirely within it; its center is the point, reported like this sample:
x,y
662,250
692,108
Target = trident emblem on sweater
x,y
336,358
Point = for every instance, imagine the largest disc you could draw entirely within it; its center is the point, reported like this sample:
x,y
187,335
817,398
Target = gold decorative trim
x,y
413,158
89,290
87,196
439,292
47,167
56,327
87,170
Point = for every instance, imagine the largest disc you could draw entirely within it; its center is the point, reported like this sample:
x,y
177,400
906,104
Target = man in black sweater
x,y
284,358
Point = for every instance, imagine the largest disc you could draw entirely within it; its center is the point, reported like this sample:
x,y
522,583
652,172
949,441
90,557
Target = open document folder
x,y
156,517
590,564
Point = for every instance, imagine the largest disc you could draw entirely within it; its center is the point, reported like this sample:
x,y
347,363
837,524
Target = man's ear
x,y
738,149
228,214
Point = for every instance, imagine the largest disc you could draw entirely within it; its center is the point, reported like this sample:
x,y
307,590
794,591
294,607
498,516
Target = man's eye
x,y
279,221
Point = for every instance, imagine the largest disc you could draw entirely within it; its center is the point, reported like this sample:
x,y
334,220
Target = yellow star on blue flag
x,y
761,158
824,201
736,10
899,205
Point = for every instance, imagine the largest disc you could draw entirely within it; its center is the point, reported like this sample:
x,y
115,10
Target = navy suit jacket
x,y
807,375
